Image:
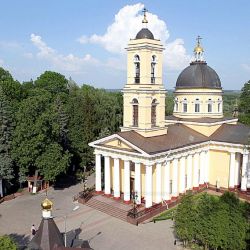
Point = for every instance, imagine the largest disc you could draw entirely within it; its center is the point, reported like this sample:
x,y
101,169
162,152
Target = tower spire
x,y
198,50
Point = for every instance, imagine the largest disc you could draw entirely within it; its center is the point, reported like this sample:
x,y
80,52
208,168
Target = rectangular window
x,y
209,108
197,107
135,115
153,115
184,107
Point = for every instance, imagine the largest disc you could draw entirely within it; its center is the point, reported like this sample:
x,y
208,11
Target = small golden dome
x,y
198,49
47,204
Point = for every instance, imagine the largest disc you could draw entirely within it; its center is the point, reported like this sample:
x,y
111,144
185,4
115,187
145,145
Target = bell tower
x,y
144,93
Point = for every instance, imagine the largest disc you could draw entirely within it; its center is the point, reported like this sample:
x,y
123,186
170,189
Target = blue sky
x,y
86,39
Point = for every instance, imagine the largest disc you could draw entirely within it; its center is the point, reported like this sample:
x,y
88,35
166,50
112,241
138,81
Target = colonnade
x,y
173,176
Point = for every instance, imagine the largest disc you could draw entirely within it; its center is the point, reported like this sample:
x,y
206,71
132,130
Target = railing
x,y
134,213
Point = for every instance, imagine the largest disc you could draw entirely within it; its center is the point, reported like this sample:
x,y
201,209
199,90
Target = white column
x,y
166,194
175,191
182,174
98,173
237,170
116,178
138,181
244,172
231,170
107,174
206,174
196,170
189,171
148,187
202,167
158,183
127,181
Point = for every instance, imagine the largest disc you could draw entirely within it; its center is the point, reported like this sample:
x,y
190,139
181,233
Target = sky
x,y
86,39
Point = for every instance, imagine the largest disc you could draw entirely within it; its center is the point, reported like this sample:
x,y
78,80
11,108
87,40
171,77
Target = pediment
x,y
116,143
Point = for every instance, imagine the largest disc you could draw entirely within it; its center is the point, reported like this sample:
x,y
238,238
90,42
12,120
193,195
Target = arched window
x,y
153,64
137,68
197,106
135,112
209,106
185,105
153,113
176,105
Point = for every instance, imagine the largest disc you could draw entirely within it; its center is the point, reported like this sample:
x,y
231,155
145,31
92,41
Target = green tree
x,y
6,130
53,82
185,219
7,243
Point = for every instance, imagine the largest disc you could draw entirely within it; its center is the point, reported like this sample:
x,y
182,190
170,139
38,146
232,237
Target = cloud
x,y
127,23
1,62
69,63
246,67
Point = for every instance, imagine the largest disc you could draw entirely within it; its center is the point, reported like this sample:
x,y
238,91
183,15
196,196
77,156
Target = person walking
x,y
33,230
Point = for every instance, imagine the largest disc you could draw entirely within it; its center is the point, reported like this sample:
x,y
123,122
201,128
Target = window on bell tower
x,y
135,112
137,68
153,64
153,113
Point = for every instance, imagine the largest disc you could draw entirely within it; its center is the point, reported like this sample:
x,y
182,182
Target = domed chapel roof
x,y
198,74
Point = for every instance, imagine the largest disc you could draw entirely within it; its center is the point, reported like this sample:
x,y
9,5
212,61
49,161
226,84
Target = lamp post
x,y
65,224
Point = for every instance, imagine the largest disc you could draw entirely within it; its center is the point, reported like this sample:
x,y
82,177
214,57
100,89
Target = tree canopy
x,y
46,124
213,222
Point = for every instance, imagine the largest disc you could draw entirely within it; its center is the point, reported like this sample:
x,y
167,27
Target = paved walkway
x,y
101,231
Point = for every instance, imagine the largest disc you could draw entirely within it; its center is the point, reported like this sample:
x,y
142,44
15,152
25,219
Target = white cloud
x,y
127,23
246,66
83,39
69,63
1,62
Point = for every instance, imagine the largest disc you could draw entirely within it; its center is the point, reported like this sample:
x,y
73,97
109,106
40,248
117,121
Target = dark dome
x,y
144,33
198,75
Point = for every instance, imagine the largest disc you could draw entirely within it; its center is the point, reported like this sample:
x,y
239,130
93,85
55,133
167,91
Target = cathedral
x,y
157,157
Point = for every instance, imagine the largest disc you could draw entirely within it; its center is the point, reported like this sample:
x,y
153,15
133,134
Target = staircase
x,y
109,206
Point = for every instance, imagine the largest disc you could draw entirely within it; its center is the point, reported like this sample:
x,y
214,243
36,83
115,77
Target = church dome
x,y
144,33
198,75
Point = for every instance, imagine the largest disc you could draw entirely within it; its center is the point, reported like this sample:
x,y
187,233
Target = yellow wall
x,y
204,129
143,174
154,182
219,163
118,144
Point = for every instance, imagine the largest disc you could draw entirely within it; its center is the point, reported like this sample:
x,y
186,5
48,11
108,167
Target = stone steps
x,y
107,209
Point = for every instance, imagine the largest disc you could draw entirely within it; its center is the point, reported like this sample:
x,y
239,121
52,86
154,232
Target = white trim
x,y
201,124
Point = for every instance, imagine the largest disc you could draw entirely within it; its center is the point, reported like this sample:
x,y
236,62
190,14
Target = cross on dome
x,y
198,50
144,16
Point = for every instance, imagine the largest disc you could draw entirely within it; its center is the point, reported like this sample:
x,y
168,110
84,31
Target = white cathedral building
x,y
160,157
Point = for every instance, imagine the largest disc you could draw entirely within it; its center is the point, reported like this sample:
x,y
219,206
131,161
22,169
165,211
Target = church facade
x,y
159,157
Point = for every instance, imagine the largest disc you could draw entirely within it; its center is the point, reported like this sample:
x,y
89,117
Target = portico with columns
x,y
157,157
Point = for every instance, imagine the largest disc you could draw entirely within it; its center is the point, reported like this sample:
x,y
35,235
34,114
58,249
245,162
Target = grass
x,y
166,215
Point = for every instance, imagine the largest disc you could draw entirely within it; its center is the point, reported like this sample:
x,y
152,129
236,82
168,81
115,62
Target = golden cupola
x,y
47,204
47,208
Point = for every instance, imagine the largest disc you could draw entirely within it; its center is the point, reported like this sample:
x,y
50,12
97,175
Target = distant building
x,y
161,157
